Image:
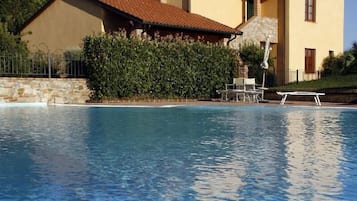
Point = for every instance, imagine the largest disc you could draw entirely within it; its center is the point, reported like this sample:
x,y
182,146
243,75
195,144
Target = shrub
x,y
333,65
121,67
72,54
342,64
252,55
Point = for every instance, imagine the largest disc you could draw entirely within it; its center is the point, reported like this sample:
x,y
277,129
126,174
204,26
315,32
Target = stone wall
x,y
256,30
53,90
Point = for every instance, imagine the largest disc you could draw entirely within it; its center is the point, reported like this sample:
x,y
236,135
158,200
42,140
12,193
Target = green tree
x,y
11,44
16,12
352,66
252,55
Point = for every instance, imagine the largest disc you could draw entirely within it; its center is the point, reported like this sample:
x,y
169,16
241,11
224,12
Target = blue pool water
x,y
183,154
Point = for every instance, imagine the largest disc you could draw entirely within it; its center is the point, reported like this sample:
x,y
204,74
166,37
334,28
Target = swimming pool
x,y
178,153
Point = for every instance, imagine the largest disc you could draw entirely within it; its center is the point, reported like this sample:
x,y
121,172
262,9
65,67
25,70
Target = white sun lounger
x,y
300,93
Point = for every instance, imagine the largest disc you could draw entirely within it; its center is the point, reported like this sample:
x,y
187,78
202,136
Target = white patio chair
x,y
249,89
239,88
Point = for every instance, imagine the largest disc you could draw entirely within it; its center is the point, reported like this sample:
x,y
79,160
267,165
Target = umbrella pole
x,y
263,84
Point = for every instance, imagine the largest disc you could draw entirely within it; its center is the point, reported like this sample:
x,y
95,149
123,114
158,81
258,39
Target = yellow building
x,y
303,32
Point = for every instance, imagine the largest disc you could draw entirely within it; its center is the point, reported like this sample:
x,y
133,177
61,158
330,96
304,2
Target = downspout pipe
x,y
144,30
234,37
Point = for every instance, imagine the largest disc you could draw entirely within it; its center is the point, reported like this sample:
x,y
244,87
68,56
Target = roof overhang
x,y
194,29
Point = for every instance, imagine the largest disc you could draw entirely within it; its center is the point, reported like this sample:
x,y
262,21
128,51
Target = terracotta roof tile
x,y
155,13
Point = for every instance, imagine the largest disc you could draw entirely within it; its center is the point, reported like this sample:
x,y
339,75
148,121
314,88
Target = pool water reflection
x,y
184,153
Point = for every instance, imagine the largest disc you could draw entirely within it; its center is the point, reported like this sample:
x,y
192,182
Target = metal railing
x,y
44,65
300,75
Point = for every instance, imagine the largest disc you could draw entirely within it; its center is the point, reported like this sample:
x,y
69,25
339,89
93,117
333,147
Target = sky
x,y
350,23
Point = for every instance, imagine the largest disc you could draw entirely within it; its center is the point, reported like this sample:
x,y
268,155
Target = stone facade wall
x,y
256,30
53,90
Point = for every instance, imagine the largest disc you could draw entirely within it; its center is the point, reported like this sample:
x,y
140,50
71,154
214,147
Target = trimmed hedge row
x,y
121,67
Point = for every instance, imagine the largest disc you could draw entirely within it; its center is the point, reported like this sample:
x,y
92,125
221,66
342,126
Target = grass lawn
x,y
335,82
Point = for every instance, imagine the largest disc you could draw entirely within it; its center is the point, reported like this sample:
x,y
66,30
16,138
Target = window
x,y
250,9
310,8
310,60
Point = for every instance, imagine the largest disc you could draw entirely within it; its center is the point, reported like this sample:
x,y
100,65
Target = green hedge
x,y
121,67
